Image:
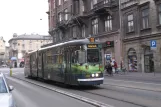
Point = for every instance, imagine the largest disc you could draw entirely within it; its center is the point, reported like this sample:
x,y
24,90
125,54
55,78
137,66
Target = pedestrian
x,y
110,68
115,67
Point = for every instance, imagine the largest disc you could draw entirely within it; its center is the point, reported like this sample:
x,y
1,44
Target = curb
x,y
78,97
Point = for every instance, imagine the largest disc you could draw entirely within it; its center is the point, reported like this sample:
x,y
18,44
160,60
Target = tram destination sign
x,y
92,45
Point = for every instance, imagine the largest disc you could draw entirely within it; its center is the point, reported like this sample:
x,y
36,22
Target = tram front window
x,y
92,55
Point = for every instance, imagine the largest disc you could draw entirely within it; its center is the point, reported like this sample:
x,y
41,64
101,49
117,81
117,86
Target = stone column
x,y
157,60
140,56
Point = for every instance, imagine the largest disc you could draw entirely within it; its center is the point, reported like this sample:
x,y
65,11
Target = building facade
x,y
141,29
20,44
2,50
76,19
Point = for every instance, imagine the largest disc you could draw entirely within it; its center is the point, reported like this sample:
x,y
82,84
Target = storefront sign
x,y
109,44
92,45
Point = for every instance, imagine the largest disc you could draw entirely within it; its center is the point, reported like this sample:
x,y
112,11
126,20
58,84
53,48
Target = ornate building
x,y
75,19
20,44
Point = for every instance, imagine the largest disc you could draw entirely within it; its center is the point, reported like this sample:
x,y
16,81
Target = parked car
x,y
5,93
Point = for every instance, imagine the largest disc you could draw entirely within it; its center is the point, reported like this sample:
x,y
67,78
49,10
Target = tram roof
x,y
73,42
32,52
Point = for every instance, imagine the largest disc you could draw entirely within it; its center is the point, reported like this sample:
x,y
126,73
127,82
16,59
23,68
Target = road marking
x,y
134,82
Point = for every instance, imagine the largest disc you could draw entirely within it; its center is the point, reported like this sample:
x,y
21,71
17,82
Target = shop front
x,y
132,60
108,48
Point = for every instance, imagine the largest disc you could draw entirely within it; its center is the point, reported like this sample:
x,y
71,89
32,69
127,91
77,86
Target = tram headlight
x,y
92,75
97,75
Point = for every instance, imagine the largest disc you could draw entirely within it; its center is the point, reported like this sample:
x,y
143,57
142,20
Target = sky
x,y
23,16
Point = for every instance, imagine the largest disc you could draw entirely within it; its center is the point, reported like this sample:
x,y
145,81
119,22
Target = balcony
x,y
14,49
104,6
61,24
30,50
14,42
23,50
129,3
2,53
48,12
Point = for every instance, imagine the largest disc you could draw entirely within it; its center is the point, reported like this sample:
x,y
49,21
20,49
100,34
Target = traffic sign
x,y
153,44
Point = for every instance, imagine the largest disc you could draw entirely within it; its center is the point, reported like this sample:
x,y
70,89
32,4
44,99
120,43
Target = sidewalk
x,y
137,77
140,74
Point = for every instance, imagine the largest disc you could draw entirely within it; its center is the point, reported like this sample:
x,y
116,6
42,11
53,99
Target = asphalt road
x,y
113,92
28,95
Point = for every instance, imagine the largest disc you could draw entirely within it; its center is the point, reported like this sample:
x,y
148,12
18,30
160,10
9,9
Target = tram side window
x,y
92,55
49,57
75,57
39,59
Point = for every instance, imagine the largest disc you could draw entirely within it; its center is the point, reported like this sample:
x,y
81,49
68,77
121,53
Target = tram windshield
x,y
92,55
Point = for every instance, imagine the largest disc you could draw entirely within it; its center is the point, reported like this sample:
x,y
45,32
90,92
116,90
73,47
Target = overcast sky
x,y
23,16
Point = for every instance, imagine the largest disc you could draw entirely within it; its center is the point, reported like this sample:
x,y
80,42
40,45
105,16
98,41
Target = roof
x,y
31,37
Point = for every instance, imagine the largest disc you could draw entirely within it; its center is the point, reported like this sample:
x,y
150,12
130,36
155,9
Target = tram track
x,y
78,97
130,87
114,98
92,93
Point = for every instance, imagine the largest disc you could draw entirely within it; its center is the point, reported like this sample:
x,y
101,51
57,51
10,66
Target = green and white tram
x,y
77,62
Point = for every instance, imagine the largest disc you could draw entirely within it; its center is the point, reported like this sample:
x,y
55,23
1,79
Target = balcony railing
x,y
104,4
128,3
14,42
61,24
14,49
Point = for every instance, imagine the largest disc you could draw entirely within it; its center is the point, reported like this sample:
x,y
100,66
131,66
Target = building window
x,y
59,17
66,14
59,2
93,2
130,22
145,18
95,26
83,8
106,1
30,47
108,23
60,35
84,31
23,46
54,4
74,32
159,10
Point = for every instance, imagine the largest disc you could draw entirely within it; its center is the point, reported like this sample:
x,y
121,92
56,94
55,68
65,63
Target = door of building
x,y
148,63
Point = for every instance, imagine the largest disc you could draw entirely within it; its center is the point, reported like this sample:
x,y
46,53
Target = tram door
x,y
68,62
68,66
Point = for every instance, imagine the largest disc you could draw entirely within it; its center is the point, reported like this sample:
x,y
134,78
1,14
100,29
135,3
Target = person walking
x,y
115,67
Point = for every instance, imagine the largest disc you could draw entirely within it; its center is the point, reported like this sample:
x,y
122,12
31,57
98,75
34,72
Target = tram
x,y
77,62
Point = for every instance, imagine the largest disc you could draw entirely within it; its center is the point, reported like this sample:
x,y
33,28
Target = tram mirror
x,y
81,57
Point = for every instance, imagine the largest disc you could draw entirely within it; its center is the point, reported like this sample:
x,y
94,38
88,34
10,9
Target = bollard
x,y
10,71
